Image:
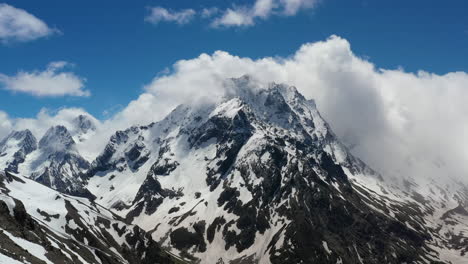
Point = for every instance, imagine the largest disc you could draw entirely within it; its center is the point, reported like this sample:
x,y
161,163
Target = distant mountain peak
x,y
22,136
57,138
84,124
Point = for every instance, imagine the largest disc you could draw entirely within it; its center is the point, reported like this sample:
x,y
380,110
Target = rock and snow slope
x,y
40,225
259,177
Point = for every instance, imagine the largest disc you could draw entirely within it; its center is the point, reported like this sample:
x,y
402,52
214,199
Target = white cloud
x,y
18,25
243,15
261,9
159,14
51,82
235,17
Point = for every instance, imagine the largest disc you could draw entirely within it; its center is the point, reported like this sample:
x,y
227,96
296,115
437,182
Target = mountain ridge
x,y
57,228
258,176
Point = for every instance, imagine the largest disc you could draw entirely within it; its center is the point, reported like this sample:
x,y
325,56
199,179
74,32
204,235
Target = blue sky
x,y
111,45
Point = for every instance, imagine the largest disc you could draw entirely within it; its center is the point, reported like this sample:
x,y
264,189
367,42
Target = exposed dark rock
x,y
183,239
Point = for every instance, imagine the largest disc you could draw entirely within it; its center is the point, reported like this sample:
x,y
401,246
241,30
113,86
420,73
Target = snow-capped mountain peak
x,y
57,163
257,177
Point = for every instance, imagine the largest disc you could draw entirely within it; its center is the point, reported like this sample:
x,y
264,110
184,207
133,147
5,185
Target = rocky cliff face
x,y
15,147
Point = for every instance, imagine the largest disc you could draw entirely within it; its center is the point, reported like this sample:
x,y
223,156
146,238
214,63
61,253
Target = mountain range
x,y
257,176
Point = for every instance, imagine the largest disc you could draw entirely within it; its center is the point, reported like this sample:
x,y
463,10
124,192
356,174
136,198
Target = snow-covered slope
x,y
122,167
259,177
40,225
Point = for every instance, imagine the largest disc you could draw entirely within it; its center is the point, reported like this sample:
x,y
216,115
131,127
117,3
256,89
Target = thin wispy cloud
x,y
17,25
235,16
261,9
51,82
209,12
160,14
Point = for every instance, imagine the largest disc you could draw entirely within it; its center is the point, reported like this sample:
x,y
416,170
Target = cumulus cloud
x,y
261,9
18,25
51,82
159,14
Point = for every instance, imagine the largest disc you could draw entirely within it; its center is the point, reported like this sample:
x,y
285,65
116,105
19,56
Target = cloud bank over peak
x,y
17,25
402,124
47,118
52,82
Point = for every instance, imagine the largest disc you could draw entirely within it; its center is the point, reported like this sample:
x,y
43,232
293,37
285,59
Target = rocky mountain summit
x,y
83,127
